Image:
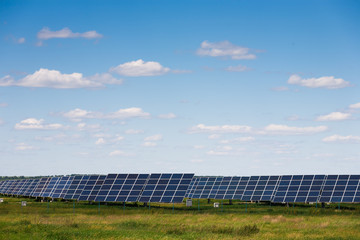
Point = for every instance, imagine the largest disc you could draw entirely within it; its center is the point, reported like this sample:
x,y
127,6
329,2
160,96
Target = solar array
x,y
104,188
171,188
166,188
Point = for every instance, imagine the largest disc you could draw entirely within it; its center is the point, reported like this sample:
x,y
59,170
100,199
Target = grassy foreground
x,y
60,220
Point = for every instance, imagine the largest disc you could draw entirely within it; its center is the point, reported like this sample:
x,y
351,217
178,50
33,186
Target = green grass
x,y
59,220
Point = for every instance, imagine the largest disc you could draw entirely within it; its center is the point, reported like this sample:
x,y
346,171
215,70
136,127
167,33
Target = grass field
x,y
60,220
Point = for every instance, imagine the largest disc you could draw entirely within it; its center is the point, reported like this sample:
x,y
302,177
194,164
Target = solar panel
x,y
235,187
7,186
75,186
226,188
11,186
61,187
31,188
299,188
221,187
260,188
92,187
3,186
47,191
190,191
341,188
270,188
25,187
166,188
205,185
121,188
40,187
20,187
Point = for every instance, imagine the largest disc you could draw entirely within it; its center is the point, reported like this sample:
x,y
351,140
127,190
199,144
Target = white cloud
x,y
55,79
240,139
3,104
134,131
217,153
7,81
213,136
167,116
21,40
50,138
287,130
119,138
23,147
201,128
224,49
338,138
355,106
140,68
77,114
118,153
149,144
238,68
45,34
88,127
100,141
105,78
125,113
334,116
33,123
156,137
328,82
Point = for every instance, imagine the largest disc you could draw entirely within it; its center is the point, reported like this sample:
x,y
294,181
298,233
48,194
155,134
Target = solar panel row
x,y
109,188
288,188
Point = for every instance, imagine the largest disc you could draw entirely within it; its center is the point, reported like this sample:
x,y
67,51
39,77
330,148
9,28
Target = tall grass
x,y
59,220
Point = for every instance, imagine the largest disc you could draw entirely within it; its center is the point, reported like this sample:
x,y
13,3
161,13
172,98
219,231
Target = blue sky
x,y
210,87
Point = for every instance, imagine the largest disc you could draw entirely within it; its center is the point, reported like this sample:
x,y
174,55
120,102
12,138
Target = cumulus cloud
x,y
355,106
140,68
334,116
100,141
55,79
213,136
20,40
224,49
45,34
7,81
79,114
156,137
149,144
167,116
238,68
338,138
328,82
23,147
288,130
36,124
134,131
235,140
88,127
201,128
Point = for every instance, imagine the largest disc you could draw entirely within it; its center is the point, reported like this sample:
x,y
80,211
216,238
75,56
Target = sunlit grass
x,y
60,220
